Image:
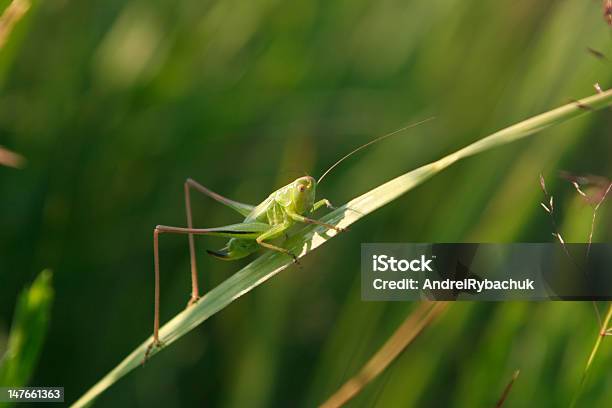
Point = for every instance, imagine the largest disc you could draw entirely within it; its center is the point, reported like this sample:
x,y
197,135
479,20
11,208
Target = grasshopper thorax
x,y
303,194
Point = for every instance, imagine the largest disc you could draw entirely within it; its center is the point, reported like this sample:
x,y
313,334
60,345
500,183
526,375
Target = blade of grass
x,y
28,332
600,337
414,324
10,159
11,15
507,389
311,237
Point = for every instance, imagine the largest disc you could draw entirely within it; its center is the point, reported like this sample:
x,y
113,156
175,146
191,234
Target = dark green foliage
x,y
115,103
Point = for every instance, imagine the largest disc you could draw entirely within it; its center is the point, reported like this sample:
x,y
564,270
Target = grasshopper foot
x,y
192,301
154,344
296,260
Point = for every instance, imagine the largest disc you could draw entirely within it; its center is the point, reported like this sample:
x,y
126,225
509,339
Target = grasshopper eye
x,y
301,188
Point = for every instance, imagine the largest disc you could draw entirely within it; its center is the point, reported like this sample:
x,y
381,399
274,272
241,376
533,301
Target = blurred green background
x,y
115,103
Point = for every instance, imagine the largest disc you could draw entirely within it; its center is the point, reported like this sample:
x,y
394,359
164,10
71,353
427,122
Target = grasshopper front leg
x,y
275,232
322,203
300,218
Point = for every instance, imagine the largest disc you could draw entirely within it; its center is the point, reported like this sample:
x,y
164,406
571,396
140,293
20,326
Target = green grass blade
x,y
28,331
311,237
604,326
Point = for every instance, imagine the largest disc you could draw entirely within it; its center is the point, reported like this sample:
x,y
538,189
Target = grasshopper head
x,y
304,193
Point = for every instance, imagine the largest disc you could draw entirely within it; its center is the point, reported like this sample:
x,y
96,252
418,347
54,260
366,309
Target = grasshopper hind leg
x,y
241,208
249,230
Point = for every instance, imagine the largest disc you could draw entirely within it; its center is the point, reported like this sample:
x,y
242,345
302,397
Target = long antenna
x,y
378,139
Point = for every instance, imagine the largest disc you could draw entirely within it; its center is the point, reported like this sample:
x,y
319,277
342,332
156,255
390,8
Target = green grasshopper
x,y
262,223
